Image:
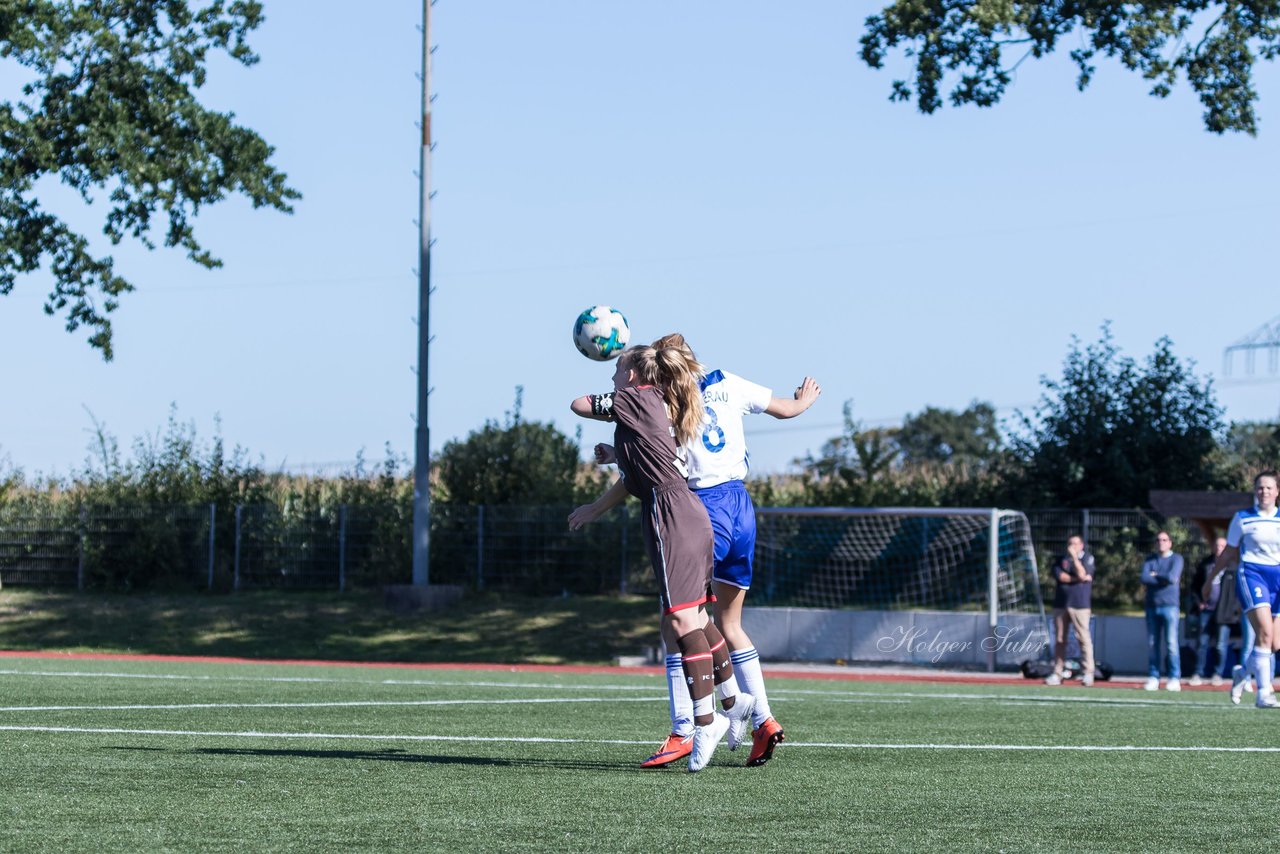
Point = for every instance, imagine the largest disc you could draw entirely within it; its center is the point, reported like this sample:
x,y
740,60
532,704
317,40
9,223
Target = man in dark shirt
x,y
1072,605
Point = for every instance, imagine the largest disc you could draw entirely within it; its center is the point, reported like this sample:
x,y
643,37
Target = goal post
x,y
979,561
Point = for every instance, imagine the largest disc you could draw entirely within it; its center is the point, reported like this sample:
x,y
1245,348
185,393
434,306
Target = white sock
x,y
1260,663
746,666
681,704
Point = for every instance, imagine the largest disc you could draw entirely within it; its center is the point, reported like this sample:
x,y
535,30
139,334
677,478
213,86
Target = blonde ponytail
x,y
679,374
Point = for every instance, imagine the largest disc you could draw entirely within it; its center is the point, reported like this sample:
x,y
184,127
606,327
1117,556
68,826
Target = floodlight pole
x,y
422,434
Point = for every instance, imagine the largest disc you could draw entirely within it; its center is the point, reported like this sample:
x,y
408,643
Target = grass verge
x,y
339,626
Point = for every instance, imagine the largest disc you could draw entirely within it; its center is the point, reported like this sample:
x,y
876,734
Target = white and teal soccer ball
x,y
601,333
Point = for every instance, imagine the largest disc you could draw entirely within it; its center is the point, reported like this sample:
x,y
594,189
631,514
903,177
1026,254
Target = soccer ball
x,y
601,333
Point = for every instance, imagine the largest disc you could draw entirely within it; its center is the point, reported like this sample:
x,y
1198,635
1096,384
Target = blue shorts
x,y
733,520
1258,585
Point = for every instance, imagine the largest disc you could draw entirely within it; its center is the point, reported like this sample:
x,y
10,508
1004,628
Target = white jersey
x,y
719,453
1256,536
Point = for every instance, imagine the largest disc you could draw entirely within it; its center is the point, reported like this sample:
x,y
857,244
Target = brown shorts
x,y
677,534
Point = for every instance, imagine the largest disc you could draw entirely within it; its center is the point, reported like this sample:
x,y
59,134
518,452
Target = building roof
x,y
1199,506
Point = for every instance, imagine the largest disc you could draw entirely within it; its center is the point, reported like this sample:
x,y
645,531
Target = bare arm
x,y
806,393
582,406
587,513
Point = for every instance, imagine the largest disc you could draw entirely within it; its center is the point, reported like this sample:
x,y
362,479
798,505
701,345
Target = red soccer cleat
x,y
767,736
673,747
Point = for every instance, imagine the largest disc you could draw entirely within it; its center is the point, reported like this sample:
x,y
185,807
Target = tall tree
x,y
1251,446
1110,430
110,109
945,436
860,454
1215,44
516,462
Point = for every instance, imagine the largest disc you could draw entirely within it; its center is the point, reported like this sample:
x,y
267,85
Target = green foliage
x,y
946,436
516,462
143,520
1119,551
1110,430
938,458
1215,44
110,108
1250,447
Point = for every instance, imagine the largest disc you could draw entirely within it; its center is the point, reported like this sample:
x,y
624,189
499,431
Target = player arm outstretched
x,y
806,393
588,513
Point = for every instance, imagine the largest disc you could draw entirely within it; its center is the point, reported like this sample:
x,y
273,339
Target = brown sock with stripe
x,y
721,666
698,673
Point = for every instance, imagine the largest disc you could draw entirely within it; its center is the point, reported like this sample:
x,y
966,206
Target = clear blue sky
x,y
731,170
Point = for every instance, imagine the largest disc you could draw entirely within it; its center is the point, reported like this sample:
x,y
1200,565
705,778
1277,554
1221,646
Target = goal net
x,y
895,559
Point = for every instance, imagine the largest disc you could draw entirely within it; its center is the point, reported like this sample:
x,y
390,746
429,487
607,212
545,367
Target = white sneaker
x,y
1086,680
1267,700
1237,684
1053,679
1216,681
740,719
705,739
1173,685
1152,684
1196,681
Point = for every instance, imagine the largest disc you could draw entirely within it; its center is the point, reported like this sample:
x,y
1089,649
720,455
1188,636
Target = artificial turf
x,y
279,757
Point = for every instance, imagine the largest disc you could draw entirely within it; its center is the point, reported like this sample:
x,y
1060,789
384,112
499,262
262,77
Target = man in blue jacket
x,y
1161,573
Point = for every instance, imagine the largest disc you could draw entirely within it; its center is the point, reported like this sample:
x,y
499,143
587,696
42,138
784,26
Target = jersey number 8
x,y
713,435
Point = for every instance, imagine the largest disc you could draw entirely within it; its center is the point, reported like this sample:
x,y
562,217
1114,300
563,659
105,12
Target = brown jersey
x,y
644,440
677,530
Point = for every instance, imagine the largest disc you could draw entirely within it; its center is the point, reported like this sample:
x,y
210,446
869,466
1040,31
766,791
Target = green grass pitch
x,y
167,755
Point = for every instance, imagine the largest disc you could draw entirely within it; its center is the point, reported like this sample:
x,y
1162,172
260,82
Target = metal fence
x,y
1119,540
525,549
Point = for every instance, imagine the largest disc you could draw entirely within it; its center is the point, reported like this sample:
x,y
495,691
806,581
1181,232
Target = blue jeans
x,y
1162,635
1202,650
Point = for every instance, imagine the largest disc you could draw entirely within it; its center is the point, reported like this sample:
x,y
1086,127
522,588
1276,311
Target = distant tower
x,y
1265,339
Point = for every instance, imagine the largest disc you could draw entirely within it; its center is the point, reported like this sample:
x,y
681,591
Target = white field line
x,y
1048,698
470,702
83,674
333,736
332,704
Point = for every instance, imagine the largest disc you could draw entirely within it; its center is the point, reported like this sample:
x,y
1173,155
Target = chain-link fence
x,y
532,550
1119,540
525,549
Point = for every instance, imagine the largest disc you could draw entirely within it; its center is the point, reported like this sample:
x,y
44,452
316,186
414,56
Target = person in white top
x,y
1253,539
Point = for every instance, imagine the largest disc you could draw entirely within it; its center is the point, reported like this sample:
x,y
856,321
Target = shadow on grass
x,y
402,756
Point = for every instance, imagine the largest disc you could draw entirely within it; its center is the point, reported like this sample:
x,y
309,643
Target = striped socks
x,y
746,665
681,704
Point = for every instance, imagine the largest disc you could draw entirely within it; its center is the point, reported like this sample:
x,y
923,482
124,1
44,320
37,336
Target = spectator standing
x,y
1213,633
1161,573
1073,605
1229,617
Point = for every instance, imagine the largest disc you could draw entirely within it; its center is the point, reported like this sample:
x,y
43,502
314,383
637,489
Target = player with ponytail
x,y
717,461
656,407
